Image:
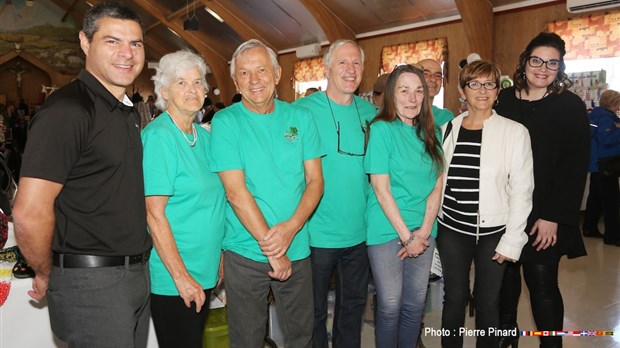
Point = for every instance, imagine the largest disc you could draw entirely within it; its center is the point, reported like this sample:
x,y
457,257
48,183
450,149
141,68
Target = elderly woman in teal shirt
x,y
404,160
185,204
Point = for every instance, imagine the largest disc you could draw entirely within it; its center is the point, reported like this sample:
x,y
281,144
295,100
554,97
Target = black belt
x,y
96,261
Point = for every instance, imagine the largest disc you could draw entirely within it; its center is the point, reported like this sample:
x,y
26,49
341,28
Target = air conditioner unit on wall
x,y
309,51
575,6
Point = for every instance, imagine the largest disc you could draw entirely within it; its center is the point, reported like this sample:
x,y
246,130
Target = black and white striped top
x,y
461,196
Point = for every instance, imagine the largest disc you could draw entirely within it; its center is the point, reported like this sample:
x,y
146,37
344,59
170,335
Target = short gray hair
x,y
170,66
248,45
337,44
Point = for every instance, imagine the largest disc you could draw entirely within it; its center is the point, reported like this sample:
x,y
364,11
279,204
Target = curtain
x,y
310,69
413,52
594,36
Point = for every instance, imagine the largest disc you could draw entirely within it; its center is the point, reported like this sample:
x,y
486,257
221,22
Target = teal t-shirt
x,y
395,149
196,201
442,116
271,150
338,221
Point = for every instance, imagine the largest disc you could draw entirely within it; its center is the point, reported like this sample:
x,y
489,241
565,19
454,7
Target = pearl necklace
x,y
190,143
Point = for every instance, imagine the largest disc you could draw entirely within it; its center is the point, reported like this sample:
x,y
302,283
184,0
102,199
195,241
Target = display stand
x,y
589,86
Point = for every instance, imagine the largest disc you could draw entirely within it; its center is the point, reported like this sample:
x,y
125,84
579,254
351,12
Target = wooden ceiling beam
x,y
477,17
188,8
333,27
217,63
242,28
69,9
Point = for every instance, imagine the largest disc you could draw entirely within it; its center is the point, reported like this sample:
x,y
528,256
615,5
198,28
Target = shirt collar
x,y
109,100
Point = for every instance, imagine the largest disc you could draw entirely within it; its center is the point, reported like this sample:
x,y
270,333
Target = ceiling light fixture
x,y
191,23
215,15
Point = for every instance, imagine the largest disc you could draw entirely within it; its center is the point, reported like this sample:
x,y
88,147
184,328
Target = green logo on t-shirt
x,y
291,134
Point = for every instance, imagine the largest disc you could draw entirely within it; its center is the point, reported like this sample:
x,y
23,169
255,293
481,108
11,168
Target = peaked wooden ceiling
x,y
284,24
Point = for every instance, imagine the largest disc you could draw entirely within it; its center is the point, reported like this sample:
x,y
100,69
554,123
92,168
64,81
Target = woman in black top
x,y
560,134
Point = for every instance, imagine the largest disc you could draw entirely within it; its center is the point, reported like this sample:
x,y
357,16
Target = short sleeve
x,y
225,152
159,161
311,141
377,159
56,140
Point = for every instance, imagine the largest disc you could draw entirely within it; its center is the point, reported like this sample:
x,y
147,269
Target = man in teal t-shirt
x,y
268,156
338,227
434,78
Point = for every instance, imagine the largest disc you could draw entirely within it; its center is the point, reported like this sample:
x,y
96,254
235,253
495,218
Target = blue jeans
x,y
401,293
457,252
247,287
351,266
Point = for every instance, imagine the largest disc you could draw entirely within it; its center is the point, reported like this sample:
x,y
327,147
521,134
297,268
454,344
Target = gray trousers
x,y
100,307
247,287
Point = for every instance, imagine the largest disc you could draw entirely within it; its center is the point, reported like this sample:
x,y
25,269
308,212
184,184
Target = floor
x,y
591,290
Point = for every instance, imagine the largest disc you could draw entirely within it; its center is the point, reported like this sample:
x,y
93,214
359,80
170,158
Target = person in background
x,y
80,210
268,156
559,130
378,89
205,114
604,190
150,102
404,148
310,90
337,228
486,199
236,98
434,79
185,204
218,106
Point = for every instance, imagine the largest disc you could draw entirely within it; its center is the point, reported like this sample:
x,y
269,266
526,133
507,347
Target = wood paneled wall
x,y
511,33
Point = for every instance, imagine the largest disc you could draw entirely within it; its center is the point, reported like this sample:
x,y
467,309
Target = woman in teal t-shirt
x,y
404,160
185,204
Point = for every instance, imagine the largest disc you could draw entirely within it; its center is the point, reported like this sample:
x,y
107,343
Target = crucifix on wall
x,y
18,71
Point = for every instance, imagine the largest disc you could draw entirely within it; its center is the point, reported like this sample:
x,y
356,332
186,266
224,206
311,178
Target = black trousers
x,y
603,198
175,324
545,298
458,251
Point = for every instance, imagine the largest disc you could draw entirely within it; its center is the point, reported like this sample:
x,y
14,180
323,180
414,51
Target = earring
x,y
496,102
462,100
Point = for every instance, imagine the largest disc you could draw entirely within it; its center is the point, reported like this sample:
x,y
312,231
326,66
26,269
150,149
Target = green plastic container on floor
x,y
215,334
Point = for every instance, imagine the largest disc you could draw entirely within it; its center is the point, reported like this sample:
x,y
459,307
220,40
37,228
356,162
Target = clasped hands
x,y
274,245
414,246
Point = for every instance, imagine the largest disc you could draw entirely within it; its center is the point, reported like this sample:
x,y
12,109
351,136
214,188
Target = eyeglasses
x,y
537,62
340,151
475,85
337,125
428,74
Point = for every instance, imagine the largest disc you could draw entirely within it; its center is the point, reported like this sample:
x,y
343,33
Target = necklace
x,y
190,143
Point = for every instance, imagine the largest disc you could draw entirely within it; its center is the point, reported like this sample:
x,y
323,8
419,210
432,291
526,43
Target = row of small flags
x,y
566,333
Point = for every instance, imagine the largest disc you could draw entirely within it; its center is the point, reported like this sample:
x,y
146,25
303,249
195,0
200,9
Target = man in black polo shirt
x,y
80,216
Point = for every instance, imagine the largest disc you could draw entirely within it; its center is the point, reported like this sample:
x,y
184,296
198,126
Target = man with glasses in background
x,y
434,78
338,226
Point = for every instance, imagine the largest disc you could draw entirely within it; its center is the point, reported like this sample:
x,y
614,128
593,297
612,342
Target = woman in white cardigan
x,y
487,197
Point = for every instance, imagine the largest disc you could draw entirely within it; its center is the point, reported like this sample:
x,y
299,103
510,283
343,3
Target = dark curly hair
x,y
544,39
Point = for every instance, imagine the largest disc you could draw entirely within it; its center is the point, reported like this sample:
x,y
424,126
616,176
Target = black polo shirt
x,y
88,141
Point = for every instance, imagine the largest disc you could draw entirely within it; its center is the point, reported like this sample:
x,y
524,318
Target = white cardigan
x,y
506,178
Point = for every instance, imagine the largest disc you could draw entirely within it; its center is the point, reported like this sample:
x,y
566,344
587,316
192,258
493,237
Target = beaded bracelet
x,y
410,239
